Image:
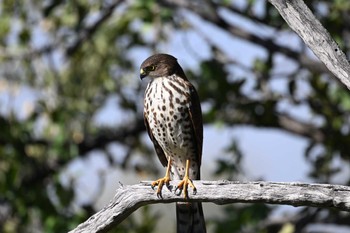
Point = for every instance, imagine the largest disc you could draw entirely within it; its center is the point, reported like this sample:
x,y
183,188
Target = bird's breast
x,y
166,105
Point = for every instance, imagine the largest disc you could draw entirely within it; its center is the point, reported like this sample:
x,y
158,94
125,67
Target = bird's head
x,y
159,65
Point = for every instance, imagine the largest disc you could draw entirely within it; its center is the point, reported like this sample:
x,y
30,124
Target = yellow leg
x,y
165,180
183,185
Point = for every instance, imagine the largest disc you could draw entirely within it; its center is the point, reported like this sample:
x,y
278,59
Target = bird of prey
x,y
173,120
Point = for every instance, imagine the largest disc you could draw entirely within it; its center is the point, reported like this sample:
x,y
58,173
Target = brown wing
x,y
159,150
195,113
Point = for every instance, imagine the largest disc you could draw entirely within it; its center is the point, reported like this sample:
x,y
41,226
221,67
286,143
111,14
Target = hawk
x,y
173,120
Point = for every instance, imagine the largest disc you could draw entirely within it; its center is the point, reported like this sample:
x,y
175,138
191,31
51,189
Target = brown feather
x,y
195,113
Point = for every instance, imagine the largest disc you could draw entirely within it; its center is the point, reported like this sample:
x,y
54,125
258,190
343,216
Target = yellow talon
x,y
160,182
183,185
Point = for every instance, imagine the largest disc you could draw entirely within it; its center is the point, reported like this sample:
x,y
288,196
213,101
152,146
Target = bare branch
x,y
303,22
129,198
280,120
300,128
210,14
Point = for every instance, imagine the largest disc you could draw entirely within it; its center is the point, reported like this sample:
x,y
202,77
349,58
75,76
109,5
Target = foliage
x,y
68,60
238,219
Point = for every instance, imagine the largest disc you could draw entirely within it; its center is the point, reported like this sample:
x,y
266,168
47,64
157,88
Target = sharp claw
x,y
160,183
159,195
176,188
175,191
194,191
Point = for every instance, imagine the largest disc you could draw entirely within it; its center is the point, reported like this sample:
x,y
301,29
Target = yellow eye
x,y
151,68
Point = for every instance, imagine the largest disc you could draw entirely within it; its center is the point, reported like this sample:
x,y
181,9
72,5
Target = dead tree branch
x,y
131,197
301,20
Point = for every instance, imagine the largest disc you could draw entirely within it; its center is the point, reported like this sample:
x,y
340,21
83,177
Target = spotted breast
x,y
166,105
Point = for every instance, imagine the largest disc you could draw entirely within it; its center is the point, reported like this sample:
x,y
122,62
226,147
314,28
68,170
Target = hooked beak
x,y
143,74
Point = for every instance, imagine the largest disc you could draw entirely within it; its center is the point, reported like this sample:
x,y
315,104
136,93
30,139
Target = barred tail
x,y
190,218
